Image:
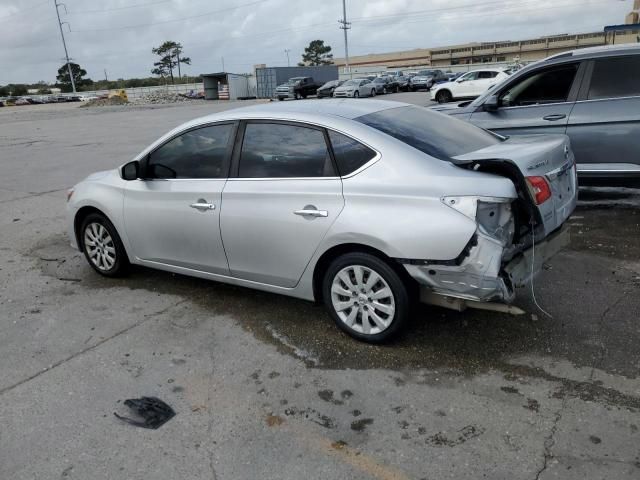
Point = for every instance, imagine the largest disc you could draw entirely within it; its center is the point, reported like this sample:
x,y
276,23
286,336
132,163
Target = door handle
x,y
553,118
311,212
202,205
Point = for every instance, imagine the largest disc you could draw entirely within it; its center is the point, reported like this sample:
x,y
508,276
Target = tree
x,y
78,73
317,53
170,59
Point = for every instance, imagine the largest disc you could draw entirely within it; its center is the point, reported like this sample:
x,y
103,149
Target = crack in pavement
x,y
145,318
603,353
32,194
209,411
550,441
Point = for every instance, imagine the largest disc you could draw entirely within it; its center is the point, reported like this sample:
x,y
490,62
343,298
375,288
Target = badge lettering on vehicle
x,y
538,165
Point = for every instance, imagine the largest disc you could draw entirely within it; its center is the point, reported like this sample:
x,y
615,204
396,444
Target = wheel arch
x,y
442,90
334,252
86,210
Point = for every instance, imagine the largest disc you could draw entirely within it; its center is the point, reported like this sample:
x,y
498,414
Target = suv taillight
x,y
539,189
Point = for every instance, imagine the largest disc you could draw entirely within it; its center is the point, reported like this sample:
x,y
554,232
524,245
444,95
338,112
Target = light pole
x,y
286,50
64,44
345,26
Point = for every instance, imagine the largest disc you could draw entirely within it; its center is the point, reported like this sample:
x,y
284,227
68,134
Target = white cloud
x,y
260,32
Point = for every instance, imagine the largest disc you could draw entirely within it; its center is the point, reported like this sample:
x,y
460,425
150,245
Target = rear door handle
x,y
553,118
308,212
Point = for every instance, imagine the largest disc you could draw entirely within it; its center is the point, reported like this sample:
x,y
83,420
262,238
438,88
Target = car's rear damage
x,y
514,236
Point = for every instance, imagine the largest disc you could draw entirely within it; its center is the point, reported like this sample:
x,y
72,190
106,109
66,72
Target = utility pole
x,y
222,64
286,50
64,44
105,75
345,26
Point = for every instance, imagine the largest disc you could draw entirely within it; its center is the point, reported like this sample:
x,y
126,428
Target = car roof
x,y
601,50
345,108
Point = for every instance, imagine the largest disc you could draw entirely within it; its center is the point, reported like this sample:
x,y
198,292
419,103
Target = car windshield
x,y
295,80
435,134
331,83
427,73
379,80
351,83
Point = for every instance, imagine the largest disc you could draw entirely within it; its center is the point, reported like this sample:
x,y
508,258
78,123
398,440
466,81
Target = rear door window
x,y
615,77
435,134
487,74
275,150
199,153
350,154
551,85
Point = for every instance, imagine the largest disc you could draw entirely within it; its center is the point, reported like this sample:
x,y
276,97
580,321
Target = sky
x,y
118,35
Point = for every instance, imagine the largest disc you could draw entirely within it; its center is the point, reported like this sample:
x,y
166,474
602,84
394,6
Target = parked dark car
x,y
327,89
382,85
404,83
425,79
297,87
591,94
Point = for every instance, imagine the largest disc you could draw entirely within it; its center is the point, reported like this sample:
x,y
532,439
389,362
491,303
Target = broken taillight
x,y
539,189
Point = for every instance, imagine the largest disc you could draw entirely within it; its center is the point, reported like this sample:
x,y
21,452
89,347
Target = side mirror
x,y
130,171
491,104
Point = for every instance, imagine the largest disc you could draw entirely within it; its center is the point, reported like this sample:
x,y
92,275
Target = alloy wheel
x,y
363,300
99,246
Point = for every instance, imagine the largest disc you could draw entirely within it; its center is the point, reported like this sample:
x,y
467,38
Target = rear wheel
x,y
365,297
102,246
443,96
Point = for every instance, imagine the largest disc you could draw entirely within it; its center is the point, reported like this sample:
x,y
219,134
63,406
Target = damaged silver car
x,y
365,206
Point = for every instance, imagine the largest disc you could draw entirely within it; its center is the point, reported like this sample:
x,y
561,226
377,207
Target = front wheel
x,y
443,96
373,92
356,94
102,246
384,90
366,297
297,96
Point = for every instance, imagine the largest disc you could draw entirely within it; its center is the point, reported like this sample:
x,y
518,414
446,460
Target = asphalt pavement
x,y
266,386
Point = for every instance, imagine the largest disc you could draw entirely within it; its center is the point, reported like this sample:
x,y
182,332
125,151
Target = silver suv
x,y
592,95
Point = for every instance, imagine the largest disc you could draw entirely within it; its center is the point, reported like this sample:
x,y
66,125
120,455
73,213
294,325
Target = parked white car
x,y
470,85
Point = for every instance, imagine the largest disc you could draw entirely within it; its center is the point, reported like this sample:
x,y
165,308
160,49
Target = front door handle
x,y
311,212
553,118
202,205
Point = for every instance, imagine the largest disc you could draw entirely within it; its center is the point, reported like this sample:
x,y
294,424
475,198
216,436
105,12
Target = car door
x,y
604,125
482,82
539,101
282,197
172,215
464,85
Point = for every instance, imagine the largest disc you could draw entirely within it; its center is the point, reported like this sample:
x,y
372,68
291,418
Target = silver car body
x,y
431,216
361,85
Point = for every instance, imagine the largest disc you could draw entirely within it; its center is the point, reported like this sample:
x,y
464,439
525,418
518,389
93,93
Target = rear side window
x,y
350,154
551,85
484,75
274,150
615,77
201,153
435,134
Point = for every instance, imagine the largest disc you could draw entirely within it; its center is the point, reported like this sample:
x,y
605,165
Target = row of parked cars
x,y
41,99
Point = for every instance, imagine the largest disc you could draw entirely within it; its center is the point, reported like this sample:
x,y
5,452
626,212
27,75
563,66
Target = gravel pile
x,y
159,97
105,102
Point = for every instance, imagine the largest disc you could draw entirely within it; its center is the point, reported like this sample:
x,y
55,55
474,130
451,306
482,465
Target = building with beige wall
x,y
524,51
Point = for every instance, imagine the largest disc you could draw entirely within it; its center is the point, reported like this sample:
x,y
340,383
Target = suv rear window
x,y
615,77
435,134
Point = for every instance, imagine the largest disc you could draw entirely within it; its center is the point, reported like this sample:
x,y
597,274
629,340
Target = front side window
x,y
469,76
438,135
200,153
551,85
615,77
350,154
274,150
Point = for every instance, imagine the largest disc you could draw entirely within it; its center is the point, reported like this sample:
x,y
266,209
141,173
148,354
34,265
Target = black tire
x,y
304,95
356,94
280,98
373,92
443,96
121,264
384,90
296,96
400,298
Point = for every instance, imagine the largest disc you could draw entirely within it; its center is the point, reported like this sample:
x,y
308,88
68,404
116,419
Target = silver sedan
x,y
358,87
365,206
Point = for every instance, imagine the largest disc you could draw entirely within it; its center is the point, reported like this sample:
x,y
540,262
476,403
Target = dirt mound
x,y
105,102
